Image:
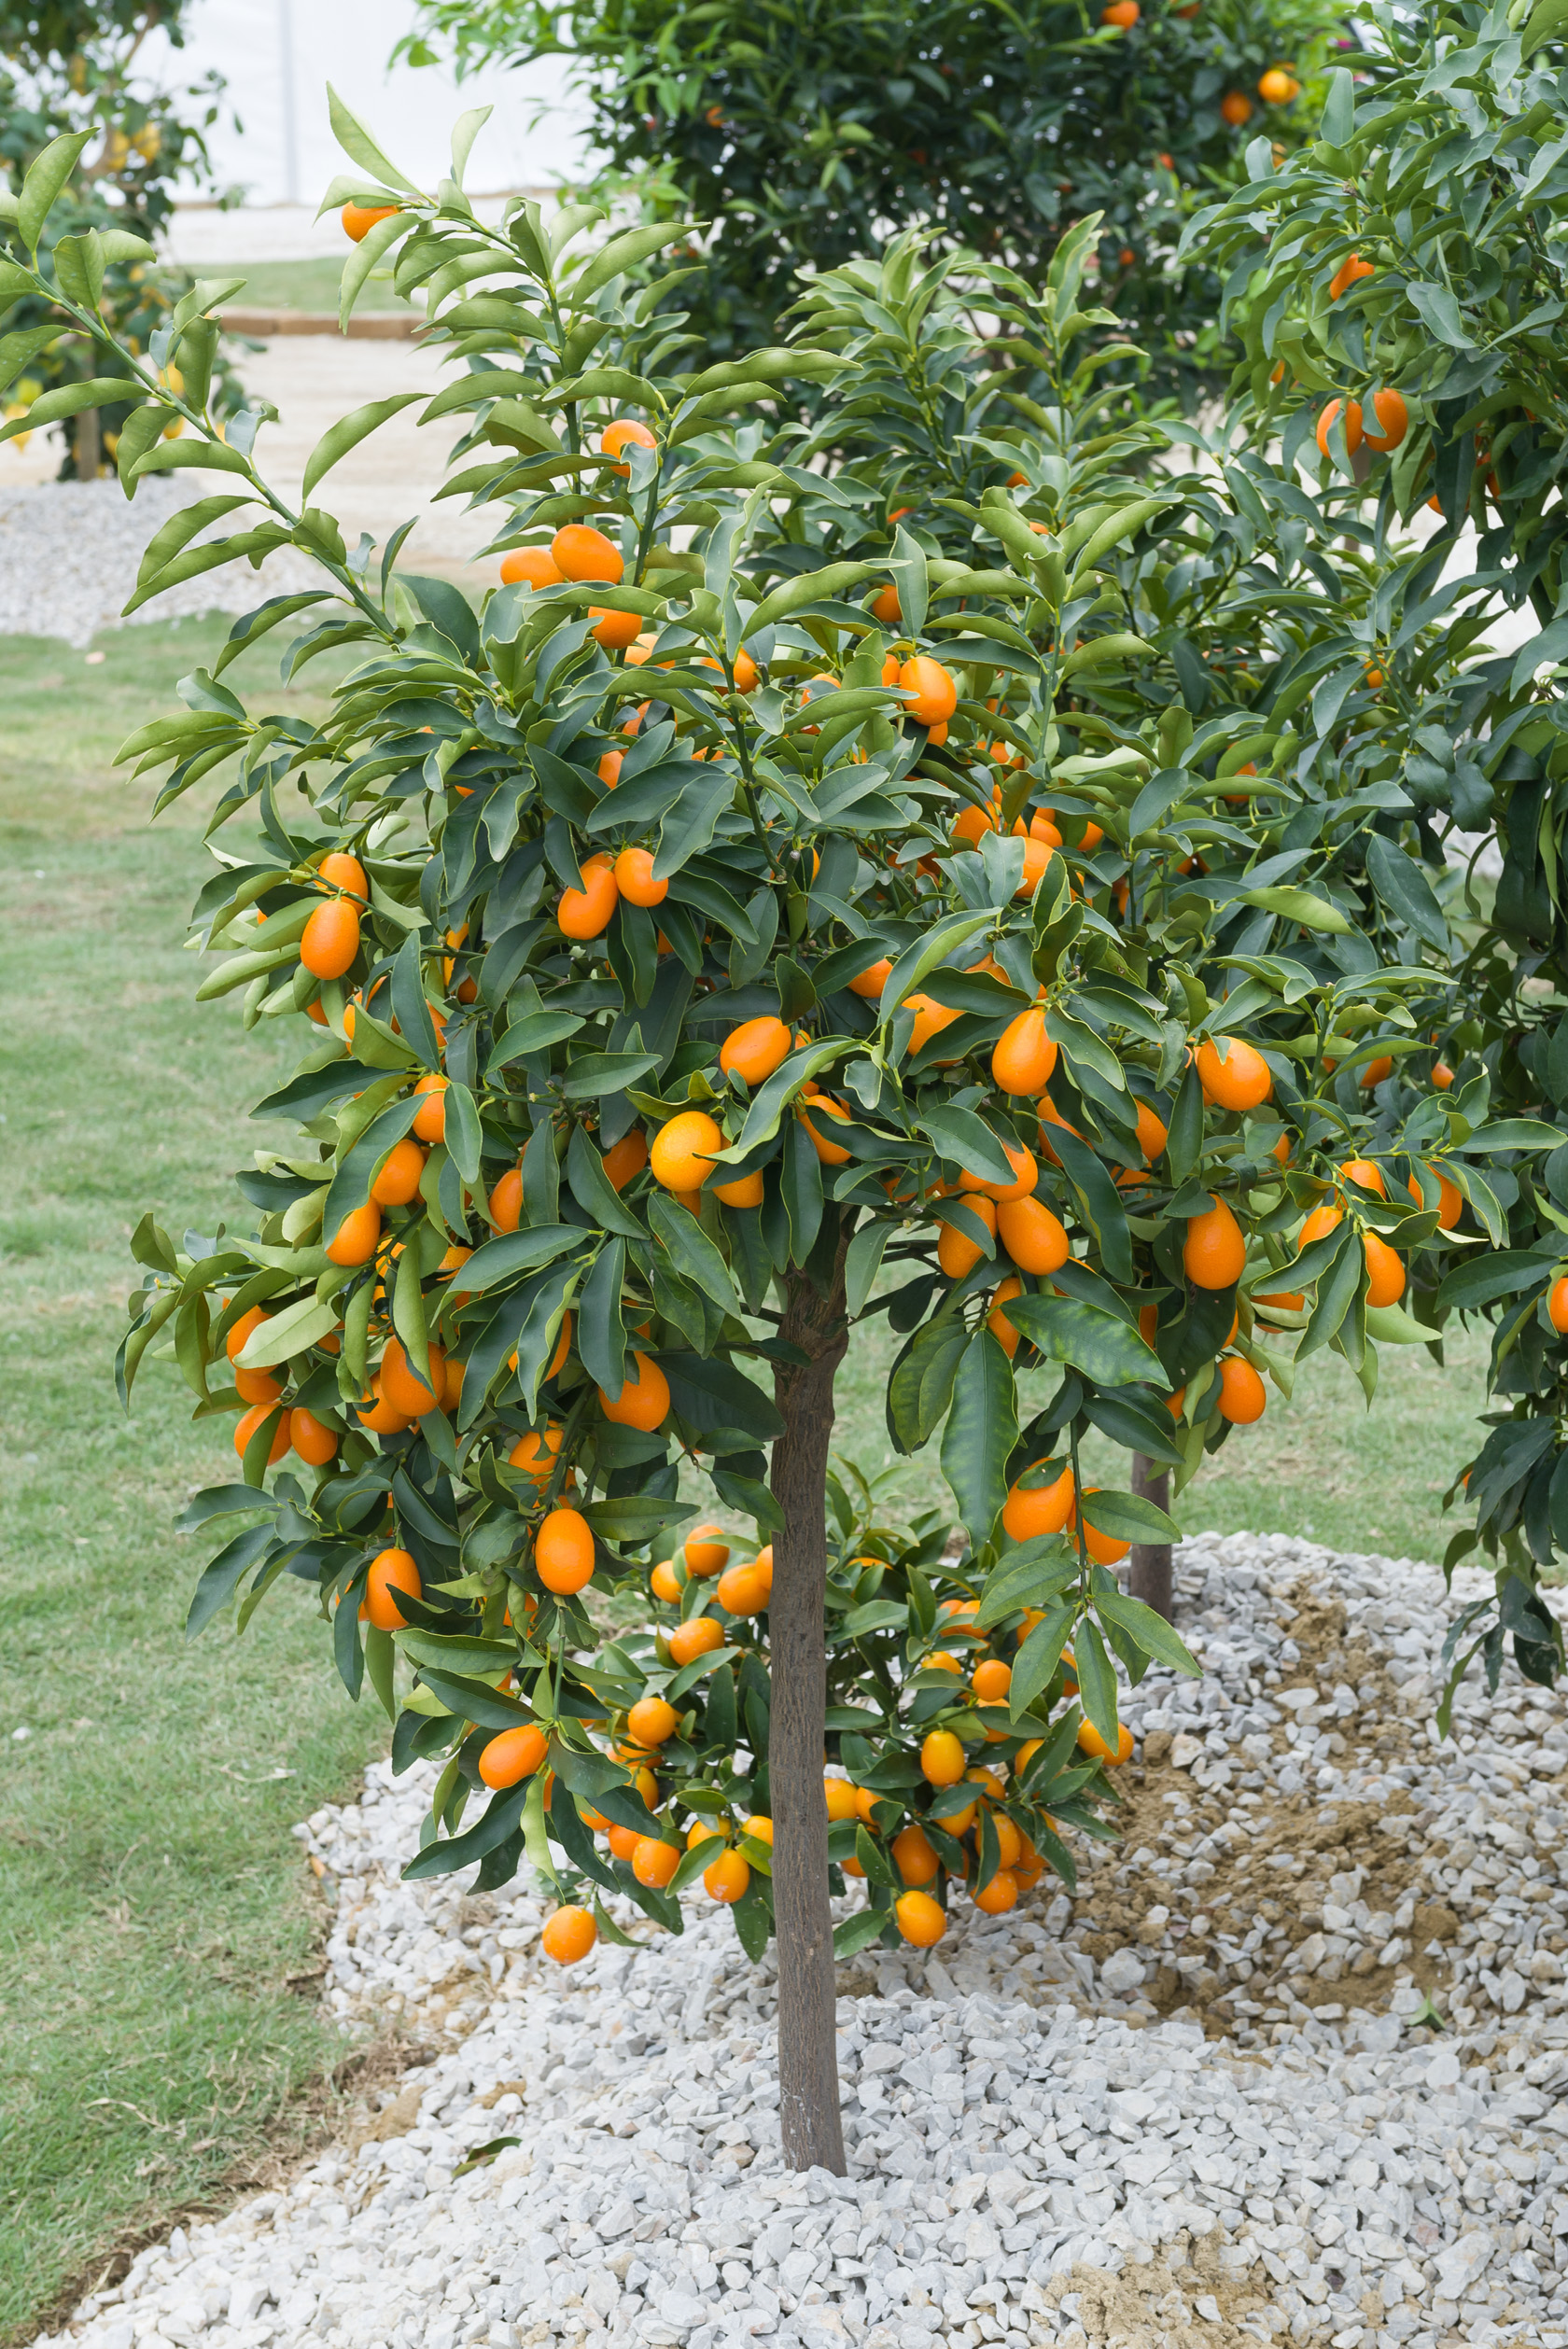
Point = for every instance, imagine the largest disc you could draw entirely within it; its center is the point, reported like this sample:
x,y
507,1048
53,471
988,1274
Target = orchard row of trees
x,y
912,835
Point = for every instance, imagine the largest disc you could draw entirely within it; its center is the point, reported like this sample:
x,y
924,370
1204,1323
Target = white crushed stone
x,y
1025,2131
69,552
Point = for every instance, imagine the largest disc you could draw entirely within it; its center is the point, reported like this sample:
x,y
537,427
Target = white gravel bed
x,y
69,552
1042,2146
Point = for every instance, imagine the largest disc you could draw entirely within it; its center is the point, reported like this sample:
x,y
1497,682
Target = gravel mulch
x,y
1204,2103
69,552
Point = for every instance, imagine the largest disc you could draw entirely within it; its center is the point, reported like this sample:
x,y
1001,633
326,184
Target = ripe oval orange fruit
x,y
312,1439
564,1552
839,1795
652,1720
429,1119
1002,1329
728,1878
1367,1175
1120,13
870,982
341,871
402,1387
913,1856
741,1591
251,1422
625,1158
664,1583
699,1637
536,1453
1385,1271
586,912
355,1240
358,219
745,1190
581,552
1034,1238
393,1575
754,1050
531,566
634,878
921,1920
1394,421
831,1153
379,1415
1236,108
1277,88
1215,1253
1353,424
515,1754
569,1936
655,1861
256,1385
1321,1221
398,1181
1349,270
644,1401
1091,1742
1024,1056
941,1758
1031,1511
1002,1894
684,1149
506,1200
935,692
1233,1076
1026,1173
1243,1398
705,1550
625,433
330,939
957,1252
1556,1304
991,1680
615,629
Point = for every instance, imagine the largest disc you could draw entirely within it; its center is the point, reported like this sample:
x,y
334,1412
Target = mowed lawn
x,y
152,1904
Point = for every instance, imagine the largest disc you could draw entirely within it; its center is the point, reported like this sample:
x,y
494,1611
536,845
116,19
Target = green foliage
x,y
67,86
885,637
810,132
1448,180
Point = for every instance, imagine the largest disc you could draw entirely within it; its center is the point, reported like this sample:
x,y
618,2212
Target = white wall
x,y
277,57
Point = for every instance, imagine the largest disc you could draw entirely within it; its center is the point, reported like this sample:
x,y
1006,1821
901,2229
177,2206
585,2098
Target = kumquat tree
x,y
1401,287
902,865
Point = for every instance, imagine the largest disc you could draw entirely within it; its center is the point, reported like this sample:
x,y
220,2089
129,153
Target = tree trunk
x,y
1149,1578
86,448
809,2110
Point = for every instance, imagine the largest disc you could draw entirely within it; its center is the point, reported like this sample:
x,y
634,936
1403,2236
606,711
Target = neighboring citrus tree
x,y
933,888
68,71
1403,279
811,133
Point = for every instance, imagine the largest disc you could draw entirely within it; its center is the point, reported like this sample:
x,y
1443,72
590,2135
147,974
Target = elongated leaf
x,y
1147,1631
502,1259
1406,890
1128,1516
362,149
1039,1657
601,1334
981,1435
623,252
282,1335
349,431
692,1252
1102,1345
46,178
1096,1681
223,1576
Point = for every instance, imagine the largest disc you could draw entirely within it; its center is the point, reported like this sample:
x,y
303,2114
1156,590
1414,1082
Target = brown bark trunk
x,y
809,2107
1150,1577
86,448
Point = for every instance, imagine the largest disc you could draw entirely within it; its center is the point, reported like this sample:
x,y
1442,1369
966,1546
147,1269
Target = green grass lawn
x,y
152,1901
313,285
1321,1465
152,1904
